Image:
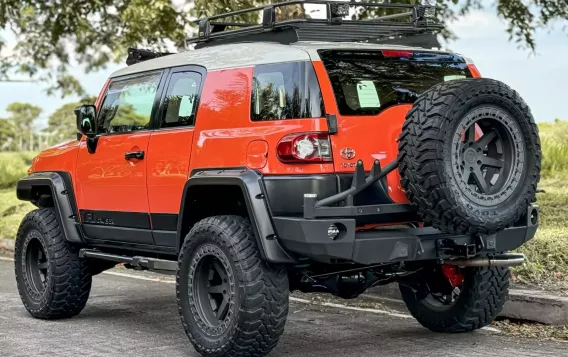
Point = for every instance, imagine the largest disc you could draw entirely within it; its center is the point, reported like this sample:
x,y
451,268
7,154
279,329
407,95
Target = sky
x,y
539,77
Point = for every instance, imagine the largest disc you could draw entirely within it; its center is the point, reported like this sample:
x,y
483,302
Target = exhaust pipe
x,y
501,260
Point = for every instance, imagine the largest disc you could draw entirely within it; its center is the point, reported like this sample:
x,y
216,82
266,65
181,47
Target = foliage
x,y
15,130
14,166
52,35
554,140
12,211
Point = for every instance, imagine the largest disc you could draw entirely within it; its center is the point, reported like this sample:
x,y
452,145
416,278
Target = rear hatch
x,y
374,90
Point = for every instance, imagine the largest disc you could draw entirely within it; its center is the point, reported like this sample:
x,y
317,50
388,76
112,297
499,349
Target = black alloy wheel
x,y
488,155
36,263
213,289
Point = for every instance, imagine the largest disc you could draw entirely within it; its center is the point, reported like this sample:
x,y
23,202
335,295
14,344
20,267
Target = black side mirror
x,y
86,124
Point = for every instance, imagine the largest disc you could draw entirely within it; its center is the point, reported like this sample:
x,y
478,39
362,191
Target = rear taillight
x,y
472,68
304,148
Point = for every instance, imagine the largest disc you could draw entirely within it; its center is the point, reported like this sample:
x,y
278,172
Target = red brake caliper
x,y
454,276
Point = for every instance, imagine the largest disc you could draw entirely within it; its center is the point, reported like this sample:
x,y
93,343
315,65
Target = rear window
x,y
365,83
286,91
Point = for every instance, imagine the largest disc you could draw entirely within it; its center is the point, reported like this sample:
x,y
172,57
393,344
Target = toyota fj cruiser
x,y
264,162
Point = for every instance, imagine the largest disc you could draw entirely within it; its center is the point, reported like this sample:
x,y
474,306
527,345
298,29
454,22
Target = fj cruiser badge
x,y
347,153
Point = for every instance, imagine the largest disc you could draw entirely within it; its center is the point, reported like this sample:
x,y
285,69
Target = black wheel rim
x,y
488,155
213,289
37,264
442,301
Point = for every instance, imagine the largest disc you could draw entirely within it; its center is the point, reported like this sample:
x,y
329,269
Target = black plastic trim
x,y
118,234
164,221
249,183
138,220
165,238
61,186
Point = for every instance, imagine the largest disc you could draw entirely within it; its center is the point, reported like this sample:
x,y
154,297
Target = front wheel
x,y
52,280
231,302
459,299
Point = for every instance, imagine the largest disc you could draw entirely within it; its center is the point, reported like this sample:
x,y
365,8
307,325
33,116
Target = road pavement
x,y
135,314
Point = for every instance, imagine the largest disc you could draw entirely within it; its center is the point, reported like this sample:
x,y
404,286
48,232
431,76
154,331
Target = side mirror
x,y
86,124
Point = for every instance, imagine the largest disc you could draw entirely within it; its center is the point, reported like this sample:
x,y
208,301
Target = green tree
x,y
7,135
61,124
22,117
53,34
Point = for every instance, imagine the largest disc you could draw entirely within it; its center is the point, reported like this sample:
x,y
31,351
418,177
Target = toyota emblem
x,y
347,153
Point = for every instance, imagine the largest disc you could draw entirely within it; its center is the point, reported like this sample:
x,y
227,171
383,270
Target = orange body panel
x,y
105,180
224,130
168,157
372,137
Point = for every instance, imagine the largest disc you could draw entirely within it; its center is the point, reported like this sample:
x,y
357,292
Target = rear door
x,y
169,150
374,90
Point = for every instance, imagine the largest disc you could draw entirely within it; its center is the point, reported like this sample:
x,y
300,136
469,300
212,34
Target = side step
x,y
137,262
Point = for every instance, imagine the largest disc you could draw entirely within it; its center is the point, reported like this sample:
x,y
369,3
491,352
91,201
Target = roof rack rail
x,y
137,55
275,23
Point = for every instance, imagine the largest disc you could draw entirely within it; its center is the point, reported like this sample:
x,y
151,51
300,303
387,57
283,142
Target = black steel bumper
x,y
309,237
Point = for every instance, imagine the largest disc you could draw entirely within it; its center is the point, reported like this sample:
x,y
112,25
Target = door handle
x,y
134,155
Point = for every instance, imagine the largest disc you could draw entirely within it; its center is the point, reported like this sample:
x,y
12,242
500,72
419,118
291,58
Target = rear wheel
x,y
473,300
470,156
231,302
52,280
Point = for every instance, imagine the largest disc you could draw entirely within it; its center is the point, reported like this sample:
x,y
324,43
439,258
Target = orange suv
x,y
265,161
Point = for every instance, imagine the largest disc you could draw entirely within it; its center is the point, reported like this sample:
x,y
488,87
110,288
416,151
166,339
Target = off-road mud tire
x,y
425,154
259,292
67,280
481,299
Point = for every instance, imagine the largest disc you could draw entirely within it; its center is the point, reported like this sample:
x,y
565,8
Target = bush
x,y
14,166
554,141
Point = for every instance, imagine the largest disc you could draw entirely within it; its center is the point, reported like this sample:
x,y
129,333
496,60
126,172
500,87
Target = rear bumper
x,y
309,237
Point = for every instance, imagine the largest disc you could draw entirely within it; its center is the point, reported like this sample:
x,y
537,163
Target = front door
x,y
111,179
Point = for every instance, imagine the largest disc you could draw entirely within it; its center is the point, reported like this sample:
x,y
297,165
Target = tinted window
x,y
181,96
286,91
128,104
366,83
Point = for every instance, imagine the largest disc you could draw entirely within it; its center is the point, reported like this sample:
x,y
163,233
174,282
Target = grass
x,y
547,253
13,166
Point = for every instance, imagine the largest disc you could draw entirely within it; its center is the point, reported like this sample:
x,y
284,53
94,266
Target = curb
x,y
7,244
527,305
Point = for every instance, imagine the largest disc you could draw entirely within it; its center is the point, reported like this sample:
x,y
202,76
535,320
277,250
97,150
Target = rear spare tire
x,y
470,156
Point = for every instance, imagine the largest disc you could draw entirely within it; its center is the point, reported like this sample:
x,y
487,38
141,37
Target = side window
x,y
286,91
181,96
128,104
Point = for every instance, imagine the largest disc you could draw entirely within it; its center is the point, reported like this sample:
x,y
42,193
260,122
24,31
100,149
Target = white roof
x,y
246,54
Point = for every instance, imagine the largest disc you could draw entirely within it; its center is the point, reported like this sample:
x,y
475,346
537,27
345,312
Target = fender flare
x,y
60,184
251,186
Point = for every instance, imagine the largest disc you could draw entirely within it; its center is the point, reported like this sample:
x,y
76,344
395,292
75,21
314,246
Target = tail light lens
x,y
397,53
304,148
472,68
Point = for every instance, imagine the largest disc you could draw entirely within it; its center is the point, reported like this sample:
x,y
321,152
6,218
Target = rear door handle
x,y
134,155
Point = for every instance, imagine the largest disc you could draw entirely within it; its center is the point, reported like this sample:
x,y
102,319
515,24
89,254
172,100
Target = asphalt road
x,y
126,316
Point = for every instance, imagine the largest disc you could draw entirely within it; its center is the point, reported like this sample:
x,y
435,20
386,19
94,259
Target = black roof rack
x,y
277,24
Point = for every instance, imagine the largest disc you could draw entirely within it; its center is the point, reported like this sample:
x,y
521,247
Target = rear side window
x,y
367,83
128,104
180,101
286,91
